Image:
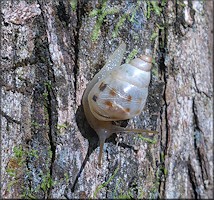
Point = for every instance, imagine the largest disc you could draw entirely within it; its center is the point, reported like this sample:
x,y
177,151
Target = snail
x,y
117,92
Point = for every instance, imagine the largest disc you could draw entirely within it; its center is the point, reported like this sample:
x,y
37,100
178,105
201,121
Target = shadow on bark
x,y
89,134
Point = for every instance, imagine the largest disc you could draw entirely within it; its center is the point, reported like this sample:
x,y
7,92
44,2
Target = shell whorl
x,y
146,58
143,63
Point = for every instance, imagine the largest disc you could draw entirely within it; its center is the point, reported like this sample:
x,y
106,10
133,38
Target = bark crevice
x,y
165,134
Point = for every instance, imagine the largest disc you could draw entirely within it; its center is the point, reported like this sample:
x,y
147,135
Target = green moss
x,y
66,176
29,196
125,16
73,4
61,129
124,196
152,141
21,78
154,6
94,13
11,184
35,124
47,182
129,14
59,126
164,170
100,14
162,167
48,85
118,25
15,169
120,193
18,151
148,11
33,153
131,19
105,183
141,193
159,174
181,3
131,55
27,193
11,172
14,166
50,153
156,33
155,71
162,157
16,162
45,95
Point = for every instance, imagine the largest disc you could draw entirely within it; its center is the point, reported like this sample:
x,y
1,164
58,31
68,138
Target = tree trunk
x,y
50,50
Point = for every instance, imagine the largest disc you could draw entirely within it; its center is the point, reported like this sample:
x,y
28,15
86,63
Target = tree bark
x,y
188,103
50,50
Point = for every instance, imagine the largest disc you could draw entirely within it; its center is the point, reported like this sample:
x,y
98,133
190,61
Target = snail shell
x,y
117,92
122,93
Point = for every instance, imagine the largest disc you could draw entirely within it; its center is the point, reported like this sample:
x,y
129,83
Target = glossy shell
x,y
121,92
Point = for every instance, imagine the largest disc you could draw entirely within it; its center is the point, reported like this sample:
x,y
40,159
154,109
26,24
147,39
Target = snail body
x,y
117,92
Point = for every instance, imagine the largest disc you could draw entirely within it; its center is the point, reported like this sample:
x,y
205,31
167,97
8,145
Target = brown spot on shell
x,y
129,98
127,109
94,98
109,103
102,86
112,92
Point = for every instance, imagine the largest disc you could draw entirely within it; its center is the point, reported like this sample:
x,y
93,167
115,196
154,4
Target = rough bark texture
x,y
50,50
187,118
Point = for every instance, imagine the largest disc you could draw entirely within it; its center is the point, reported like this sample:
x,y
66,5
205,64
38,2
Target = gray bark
x,y
50,50
188,109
